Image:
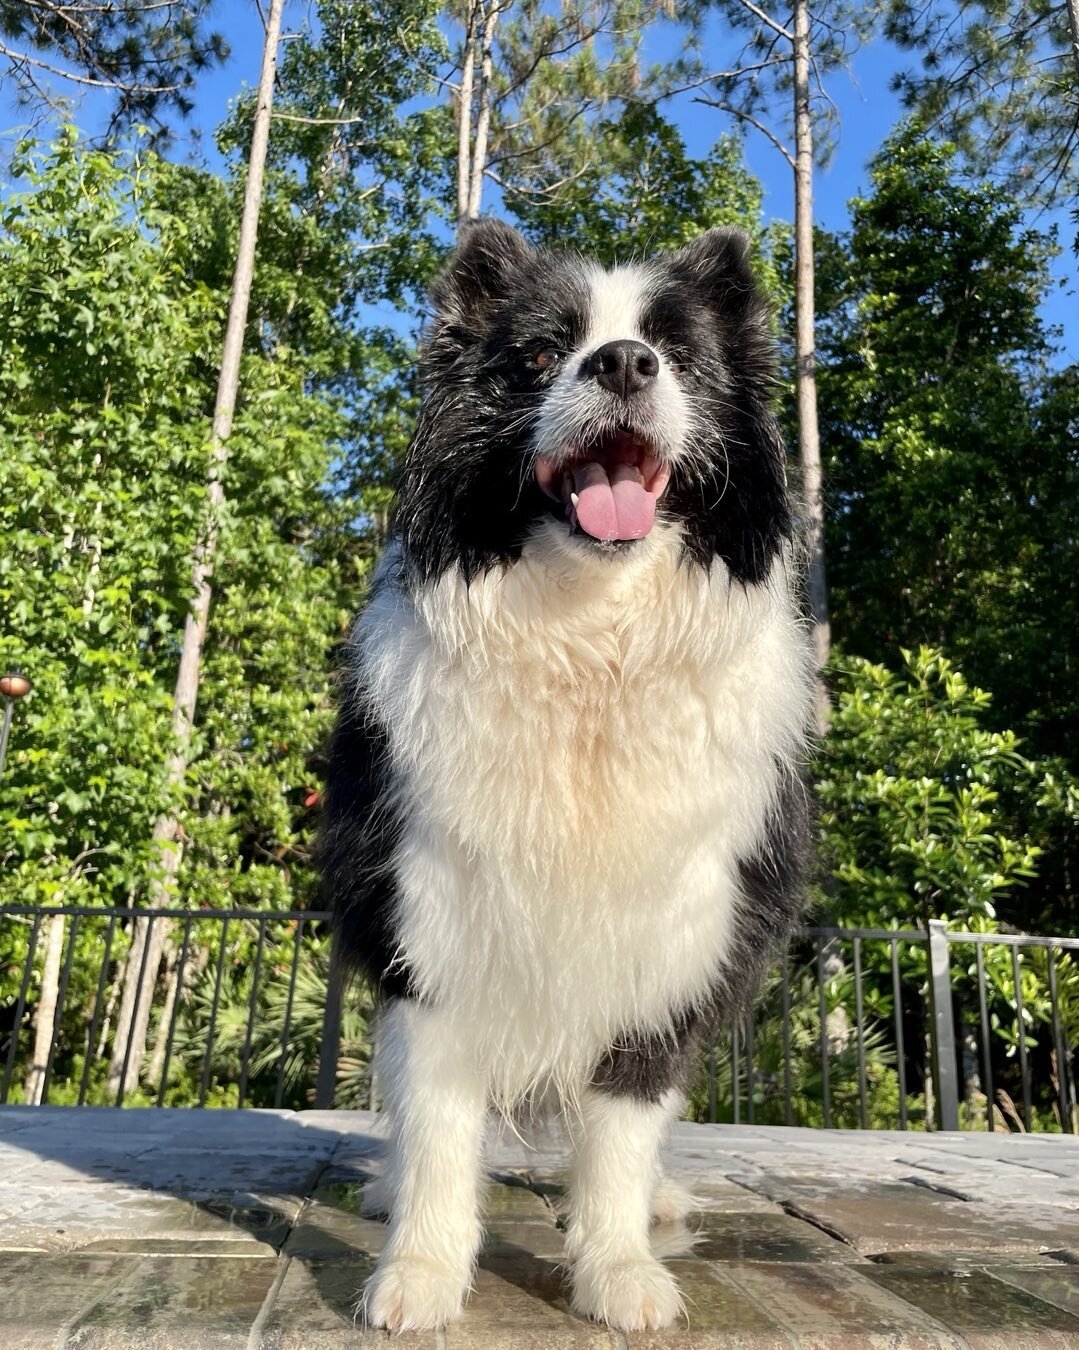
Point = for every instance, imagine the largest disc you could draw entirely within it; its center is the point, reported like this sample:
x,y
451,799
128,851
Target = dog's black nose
x,y
624,367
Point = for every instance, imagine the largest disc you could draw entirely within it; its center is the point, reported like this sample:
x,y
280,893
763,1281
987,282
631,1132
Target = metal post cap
x,y
14,684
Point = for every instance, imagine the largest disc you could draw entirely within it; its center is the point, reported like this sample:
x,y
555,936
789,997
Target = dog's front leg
x,y
437,1100
616,1279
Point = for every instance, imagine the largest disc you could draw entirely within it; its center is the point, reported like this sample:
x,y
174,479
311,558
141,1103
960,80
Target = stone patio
x,y
199,1229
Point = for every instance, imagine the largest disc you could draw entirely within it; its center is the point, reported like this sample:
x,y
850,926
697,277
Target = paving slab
x,y
519,1302
182,1230
885,1218
826,1307
313,1308
166,1303
765,1237
43,1293
1058,1285
986,1312
718,1316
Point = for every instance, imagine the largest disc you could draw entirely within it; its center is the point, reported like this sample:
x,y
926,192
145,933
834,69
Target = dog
x,y
565,819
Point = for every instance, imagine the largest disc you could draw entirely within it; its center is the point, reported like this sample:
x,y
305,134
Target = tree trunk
x,y
483,113
805,359
46,1011
135,1005
157,1059
1073,20
464,112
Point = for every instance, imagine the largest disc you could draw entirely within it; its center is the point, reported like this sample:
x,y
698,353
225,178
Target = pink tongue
x,y
615,507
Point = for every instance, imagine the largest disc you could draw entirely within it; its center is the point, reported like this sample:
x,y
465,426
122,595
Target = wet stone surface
x,y
178,1230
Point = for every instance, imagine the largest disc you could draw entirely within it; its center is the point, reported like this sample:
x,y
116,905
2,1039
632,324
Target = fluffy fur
x,y
564,817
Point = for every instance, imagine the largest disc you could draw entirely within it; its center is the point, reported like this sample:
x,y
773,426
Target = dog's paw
x,y
627,1295
412,1293
671,1203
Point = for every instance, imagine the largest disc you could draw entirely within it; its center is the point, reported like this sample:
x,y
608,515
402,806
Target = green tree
x,y
1001,79
935,361
101,498
645,193
775,86
917,798
928,812
952,470
143,55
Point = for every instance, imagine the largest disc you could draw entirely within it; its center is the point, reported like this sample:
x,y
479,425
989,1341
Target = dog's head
x,y
563,397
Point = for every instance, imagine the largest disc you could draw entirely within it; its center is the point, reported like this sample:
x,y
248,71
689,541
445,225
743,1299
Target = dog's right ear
x,y
488,256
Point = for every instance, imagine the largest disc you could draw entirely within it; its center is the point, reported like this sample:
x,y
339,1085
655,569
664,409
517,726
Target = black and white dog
x,y
565,820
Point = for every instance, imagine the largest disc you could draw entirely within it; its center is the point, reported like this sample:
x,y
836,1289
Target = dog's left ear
x,y
488,257
717,265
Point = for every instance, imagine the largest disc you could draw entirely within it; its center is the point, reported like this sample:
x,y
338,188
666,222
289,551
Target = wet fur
x,y
565,819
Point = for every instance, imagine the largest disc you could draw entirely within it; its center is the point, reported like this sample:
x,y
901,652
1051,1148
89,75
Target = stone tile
x,y
330,1225
970,1260
529,1238
313,1309
201,1169
517,1202
170,1246
72,1216
169,1303
1057,1284
827,1307
41,1294
765,1237
718,1316
897,1218
722,1195
986,1312
990,1178
520,1303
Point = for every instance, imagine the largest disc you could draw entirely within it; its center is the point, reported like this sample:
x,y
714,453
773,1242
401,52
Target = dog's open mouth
x,y
608,489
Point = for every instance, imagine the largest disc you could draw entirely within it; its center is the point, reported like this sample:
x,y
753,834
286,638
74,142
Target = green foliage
x,y
144,54
951,469
269,1037
914,794
105,367
644,194
924,814
1000,78
560,75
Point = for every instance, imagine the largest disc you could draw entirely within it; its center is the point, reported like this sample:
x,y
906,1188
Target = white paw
x,y
412,1293
671,1202
627,1295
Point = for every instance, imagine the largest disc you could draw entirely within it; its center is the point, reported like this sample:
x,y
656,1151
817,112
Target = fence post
x,y
942,1025
331,1031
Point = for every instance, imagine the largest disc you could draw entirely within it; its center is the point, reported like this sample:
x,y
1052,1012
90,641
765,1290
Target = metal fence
x,y
907,1029
857,1027
207,958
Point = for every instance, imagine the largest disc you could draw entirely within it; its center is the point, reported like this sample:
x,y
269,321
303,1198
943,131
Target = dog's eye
x,y
548,357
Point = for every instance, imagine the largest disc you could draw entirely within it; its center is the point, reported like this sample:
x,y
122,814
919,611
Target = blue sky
x,y
868,110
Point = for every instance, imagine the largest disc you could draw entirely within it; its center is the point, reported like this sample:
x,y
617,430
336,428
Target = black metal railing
x,y
858,1028
218,1016
906,1029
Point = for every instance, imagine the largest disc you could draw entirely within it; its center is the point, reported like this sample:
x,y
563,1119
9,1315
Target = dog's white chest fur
x,y
584,749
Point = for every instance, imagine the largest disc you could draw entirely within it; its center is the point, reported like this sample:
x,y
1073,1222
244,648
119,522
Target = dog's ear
x,y
489,254
717,265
